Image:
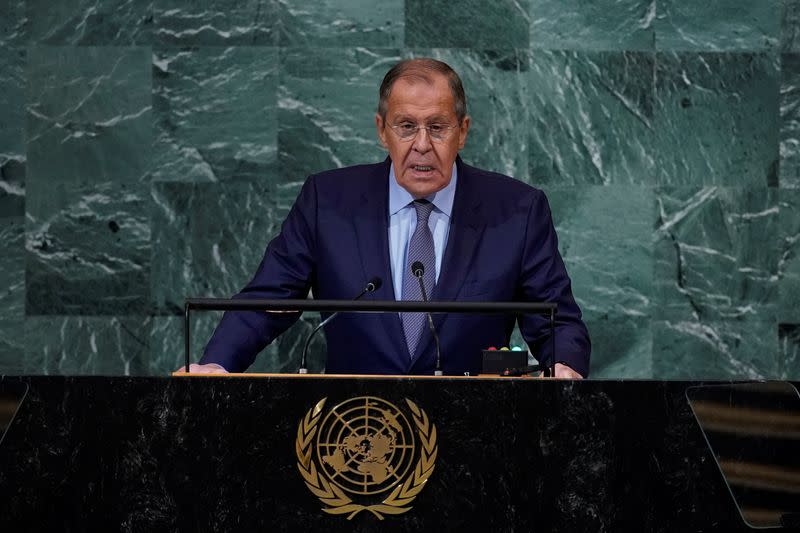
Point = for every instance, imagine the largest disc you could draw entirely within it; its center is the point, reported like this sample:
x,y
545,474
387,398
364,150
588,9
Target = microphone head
x,y
418,269
374,284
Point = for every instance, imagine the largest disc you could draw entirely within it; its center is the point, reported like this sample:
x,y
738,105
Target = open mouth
x,y
422,168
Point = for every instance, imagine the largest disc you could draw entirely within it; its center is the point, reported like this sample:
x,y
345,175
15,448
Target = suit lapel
x,y
466,229
371,223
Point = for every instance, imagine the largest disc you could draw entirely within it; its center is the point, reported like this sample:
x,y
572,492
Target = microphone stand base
x,y
302,371
438,373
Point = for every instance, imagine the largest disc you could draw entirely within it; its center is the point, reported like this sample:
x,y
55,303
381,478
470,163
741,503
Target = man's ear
x,y
380,126
462,132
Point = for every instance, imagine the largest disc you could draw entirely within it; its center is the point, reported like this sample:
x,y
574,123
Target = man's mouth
x,y
422,168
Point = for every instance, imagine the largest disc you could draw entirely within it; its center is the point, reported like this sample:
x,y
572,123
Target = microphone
x,y
418,269
372,285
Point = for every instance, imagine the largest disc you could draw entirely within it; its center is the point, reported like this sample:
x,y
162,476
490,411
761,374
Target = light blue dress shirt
x,y
403,222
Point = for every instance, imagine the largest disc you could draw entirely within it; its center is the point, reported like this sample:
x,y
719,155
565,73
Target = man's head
x,y
422,120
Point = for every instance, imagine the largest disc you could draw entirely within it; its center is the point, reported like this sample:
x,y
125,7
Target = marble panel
x,y
209,238
338,23
88,251
717,25
716,254
789,258
495,84
790,25
12,346
578,25
604,236
790,121
326,108
591,118
89,22
789,357
215,113
12,132
88,114
717,119
106,345
494,25
622,347
216,22
732,349
13,24
12,291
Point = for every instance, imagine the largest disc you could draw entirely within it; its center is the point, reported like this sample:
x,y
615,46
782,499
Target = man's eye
x,y
437,128
407,128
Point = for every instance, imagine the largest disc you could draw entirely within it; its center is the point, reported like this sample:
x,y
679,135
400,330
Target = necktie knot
x,y
424,208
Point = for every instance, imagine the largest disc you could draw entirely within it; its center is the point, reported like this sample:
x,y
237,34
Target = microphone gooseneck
x,y
372,285
418,269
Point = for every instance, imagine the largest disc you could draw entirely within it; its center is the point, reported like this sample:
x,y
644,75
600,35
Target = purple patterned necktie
x,y
420,248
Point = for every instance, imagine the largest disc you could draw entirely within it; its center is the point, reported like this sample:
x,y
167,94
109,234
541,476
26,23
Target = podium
x,y
227,453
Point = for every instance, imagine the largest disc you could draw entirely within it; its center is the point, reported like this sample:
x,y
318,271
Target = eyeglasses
x,y
437,132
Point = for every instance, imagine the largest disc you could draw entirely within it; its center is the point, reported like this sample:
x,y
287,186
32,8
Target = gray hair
x,y
422,68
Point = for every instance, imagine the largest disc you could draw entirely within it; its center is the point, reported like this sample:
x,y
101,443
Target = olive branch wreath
x,y
334,497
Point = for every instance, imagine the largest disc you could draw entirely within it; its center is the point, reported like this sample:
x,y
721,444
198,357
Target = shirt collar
x,y
441,200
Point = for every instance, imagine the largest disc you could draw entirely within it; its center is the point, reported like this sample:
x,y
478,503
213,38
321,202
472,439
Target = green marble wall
x,y
149,151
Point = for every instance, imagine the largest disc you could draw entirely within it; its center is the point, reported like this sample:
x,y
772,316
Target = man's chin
x,y
422,186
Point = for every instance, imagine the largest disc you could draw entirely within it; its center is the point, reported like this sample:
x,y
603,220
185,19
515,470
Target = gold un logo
x,y
362,449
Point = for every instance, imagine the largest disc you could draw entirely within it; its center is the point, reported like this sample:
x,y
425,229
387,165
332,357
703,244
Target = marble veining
x,y
150,149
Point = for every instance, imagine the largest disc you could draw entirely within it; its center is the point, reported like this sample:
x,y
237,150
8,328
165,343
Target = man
x,y
481,237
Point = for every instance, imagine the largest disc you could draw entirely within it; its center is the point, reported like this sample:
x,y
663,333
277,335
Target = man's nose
x,y
422,140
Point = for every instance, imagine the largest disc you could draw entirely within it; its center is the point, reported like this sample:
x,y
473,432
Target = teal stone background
x,y
150,150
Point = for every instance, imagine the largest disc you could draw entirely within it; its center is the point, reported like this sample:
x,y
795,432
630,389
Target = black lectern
x,y
285,453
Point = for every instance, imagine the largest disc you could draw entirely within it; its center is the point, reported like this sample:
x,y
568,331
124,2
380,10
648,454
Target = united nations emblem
x,y
362,449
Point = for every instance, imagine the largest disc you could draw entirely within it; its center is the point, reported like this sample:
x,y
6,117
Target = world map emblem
x,y
366,454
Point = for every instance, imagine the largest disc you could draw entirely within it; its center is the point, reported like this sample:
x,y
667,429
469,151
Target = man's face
x,y
422,165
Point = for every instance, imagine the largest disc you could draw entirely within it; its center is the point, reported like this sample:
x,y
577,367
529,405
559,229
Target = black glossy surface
x,y
217,454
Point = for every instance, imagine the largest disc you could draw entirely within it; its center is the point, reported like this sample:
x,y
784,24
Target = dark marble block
x,y
717,25
621,346
12,23
572,138
789,258
337,23
718,349
90,254
789,340
615,279
497,25
89,131
790,25
717,119
716,255
12,132
220,454
89,22
89,114
12,290
85,345
215,113
790,121
593,26
216,22
212,236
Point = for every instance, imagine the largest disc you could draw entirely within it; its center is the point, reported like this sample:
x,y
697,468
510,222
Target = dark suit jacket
x,y
501,246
